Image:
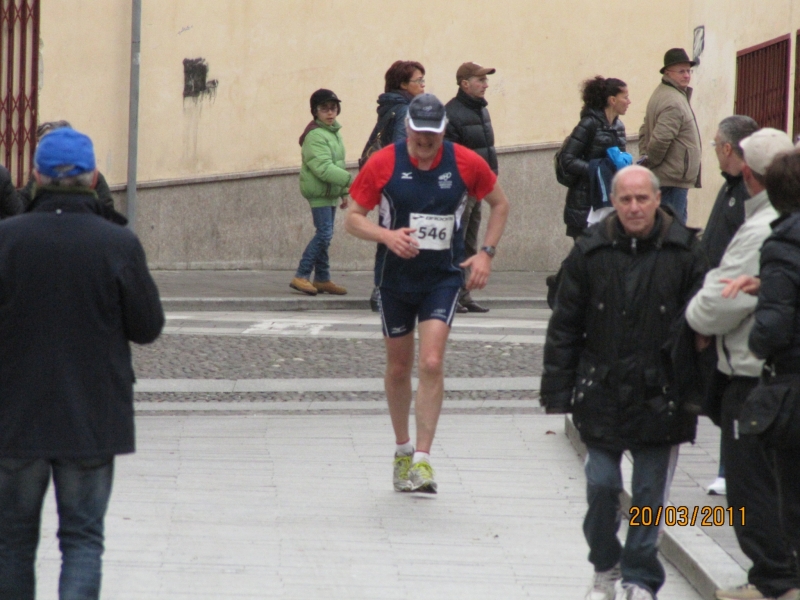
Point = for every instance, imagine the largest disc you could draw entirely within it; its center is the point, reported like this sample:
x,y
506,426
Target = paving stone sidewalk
x,y
301,507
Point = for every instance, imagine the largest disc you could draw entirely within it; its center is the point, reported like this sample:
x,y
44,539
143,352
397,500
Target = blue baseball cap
x,y
63,153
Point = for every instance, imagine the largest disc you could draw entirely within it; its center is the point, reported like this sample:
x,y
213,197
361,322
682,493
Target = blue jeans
x,y
82,491
639,558
675,198
315,256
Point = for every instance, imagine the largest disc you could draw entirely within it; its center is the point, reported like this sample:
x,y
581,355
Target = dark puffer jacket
x,y
726,218
590,139
398,102
469,124
776,332
10,201
618,300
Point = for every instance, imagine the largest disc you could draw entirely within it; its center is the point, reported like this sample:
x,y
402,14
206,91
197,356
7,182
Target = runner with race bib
x,y
421,186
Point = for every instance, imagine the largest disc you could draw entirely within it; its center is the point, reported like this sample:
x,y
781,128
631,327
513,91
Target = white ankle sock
x,y
406,448
421,457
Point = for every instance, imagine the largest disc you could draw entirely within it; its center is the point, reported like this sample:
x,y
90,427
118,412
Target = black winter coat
x,y
726,218
776,332
469,124
101,189
397,102
10,201
590,139
74,290
617,301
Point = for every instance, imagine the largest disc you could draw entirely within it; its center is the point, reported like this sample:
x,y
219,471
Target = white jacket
x,y
730,320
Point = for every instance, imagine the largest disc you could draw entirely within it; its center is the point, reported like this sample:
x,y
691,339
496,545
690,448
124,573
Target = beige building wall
x,y
218,173
730,26
268,56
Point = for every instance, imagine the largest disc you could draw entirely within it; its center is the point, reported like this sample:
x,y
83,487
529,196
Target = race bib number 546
x,y
434,232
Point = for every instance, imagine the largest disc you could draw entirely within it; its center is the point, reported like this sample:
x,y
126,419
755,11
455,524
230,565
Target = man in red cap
x,y
469,124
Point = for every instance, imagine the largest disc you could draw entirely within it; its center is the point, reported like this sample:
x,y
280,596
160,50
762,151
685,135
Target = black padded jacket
x,y
775,335
590,139
10,201
616,307
726,218
469,124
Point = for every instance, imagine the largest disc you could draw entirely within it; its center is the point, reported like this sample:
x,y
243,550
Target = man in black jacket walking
x,y
74,291
623,286
468,124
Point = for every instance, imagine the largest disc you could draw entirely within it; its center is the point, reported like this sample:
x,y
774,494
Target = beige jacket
x,y
670,137
732,319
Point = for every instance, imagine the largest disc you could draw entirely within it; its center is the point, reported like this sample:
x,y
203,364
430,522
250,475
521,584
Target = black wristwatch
x,y
490,250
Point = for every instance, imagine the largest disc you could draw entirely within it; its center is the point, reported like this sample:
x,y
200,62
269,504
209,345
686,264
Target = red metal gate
x,y
762,83
796,119
19,85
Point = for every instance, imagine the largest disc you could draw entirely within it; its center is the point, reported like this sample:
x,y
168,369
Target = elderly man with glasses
x,y
669,139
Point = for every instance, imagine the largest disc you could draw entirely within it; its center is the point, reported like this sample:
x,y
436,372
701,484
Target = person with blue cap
x,y
75,290
102,190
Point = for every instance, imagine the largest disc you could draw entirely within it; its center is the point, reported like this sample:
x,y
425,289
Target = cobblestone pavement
x,y
378,397
236,357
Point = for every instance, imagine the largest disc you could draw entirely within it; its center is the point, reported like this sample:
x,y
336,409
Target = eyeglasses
x,y
715,143
681,72
327,108
418,80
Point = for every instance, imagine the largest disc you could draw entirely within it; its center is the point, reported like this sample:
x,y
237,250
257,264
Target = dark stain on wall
x,y
195,79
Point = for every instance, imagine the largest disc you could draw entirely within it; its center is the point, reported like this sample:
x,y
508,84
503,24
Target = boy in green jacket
x,y
324,182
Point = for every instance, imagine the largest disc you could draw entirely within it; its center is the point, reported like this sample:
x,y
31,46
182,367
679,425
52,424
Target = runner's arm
x,y
481,263
398,241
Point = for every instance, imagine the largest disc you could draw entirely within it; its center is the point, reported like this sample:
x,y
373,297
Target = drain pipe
x,y
133,112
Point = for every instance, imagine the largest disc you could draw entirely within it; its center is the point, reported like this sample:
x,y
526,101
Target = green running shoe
x,y
402,463
421,477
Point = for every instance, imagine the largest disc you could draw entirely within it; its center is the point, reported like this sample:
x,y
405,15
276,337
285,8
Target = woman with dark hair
x,y
404,80
604,101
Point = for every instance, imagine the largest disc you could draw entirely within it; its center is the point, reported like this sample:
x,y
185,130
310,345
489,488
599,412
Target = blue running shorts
x,y
400,310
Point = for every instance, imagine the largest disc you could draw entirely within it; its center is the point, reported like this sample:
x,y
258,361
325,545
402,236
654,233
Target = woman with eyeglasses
x,y
325,183
404,80
600,128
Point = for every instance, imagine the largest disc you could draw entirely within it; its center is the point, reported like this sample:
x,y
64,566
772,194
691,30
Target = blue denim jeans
x,y
676,199
82,488
639,558
315,256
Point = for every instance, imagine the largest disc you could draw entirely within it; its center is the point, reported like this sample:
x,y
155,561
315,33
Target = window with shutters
x,y
762,83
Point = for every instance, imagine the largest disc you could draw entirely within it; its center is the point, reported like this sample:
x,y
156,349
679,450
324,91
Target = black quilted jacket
x,y
615,308
590,139
776,332
469,124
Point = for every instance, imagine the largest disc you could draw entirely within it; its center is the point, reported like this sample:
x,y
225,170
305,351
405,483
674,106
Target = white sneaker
x,y
603,584
717,487
631,591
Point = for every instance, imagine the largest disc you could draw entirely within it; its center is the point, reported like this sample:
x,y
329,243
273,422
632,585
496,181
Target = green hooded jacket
x,y
323,177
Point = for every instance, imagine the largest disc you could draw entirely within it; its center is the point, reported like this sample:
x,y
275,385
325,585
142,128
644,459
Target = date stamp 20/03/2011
x,y
705,516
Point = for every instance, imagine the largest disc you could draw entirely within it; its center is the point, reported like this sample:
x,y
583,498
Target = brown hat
x,y
676,56
471,69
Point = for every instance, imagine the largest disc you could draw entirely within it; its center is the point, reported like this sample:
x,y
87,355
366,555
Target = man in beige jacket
x,y
669,139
